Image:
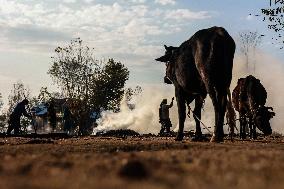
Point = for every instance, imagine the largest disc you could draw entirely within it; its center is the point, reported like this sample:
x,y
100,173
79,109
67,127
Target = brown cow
x,y
201,65
249,98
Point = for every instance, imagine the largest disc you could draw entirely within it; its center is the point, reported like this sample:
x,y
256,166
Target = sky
x,y
130,31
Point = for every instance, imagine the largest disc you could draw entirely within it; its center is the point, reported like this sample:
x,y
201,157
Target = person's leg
x,y
10,125
17,126
10,128
162,127
168,126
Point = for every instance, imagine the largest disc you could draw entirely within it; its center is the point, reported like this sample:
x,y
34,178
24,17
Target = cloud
x,y
138,1
117,27
69,1
186,14
89,1
165,2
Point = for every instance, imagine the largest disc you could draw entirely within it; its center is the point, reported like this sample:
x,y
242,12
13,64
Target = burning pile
x,y
118,133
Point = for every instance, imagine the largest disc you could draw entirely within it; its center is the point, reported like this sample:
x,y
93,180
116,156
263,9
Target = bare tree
x,y
132,92
249,40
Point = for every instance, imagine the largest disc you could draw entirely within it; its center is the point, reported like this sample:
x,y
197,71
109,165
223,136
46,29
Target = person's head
x,y
164,101
25,101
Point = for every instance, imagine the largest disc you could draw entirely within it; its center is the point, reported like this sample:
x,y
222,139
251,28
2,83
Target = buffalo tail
x,y
230,115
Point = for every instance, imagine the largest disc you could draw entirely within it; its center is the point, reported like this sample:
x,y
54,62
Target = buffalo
x,y
249,98
199,66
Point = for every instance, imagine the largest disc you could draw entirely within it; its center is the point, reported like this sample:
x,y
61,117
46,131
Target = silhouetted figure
x,y
51,114
68,120
164,116
15,117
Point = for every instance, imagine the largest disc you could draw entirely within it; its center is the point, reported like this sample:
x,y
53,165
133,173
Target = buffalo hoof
x,y
216,139
179,137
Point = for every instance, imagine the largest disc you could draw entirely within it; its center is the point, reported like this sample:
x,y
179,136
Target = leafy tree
x,y
108,88
44,95
274,17
89,84
72,68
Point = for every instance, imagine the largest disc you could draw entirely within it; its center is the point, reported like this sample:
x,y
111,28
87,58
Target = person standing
x,y
164,116
68,120
51,114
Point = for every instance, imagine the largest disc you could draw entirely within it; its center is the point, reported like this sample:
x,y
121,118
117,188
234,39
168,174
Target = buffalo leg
x,y
254,136
181,113
250,128
253,128
219,100
197,117
221,115
243,123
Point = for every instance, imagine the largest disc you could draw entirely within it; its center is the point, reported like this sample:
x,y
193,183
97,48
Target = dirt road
x,y
140,162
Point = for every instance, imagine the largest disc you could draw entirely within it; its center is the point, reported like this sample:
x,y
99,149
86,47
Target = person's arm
x,y
25,113
172,103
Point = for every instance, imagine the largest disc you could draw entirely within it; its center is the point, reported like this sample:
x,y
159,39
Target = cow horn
x,y
166,47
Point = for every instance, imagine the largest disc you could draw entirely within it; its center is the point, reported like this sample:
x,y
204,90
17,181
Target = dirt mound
x,y
118,133
40,141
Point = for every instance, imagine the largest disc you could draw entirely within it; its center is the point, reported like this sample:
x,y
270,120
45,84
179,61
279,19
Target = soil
x,y
140,162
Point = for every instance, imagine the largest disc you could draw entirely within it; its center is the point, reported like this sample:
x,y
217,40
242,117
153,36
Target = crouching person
x,y
164,117
15,117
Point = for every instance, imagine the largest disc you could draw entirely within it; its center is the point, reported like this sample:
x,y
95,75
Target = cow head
x,y
169,59
261,119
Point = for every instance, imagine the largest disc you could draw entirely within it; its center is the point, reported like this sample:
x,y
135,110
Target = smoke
x,y
145,117
270,71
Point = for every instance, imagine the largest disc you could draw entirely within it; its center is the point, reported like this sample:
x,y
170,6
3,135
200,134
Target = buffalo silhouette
x,y
199,66
249,98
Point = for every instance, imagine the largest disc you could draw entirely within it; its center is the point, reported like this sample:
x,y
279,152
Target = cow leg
x,y
197,117
254,136
241,127
243,124
219,100
181,113
253,128
250,127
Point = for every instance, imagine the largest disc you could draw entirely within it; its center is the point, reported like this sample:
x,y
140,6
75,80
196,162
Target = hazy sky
x,y
131,31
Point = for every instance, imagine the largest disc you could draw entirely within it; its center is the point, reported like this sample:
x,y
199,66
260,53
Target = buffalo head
x,y
169,59
261,119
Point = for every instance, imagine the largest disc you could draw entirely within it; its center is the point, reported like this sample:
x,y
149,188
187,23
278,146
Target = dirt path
x,y
139,163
